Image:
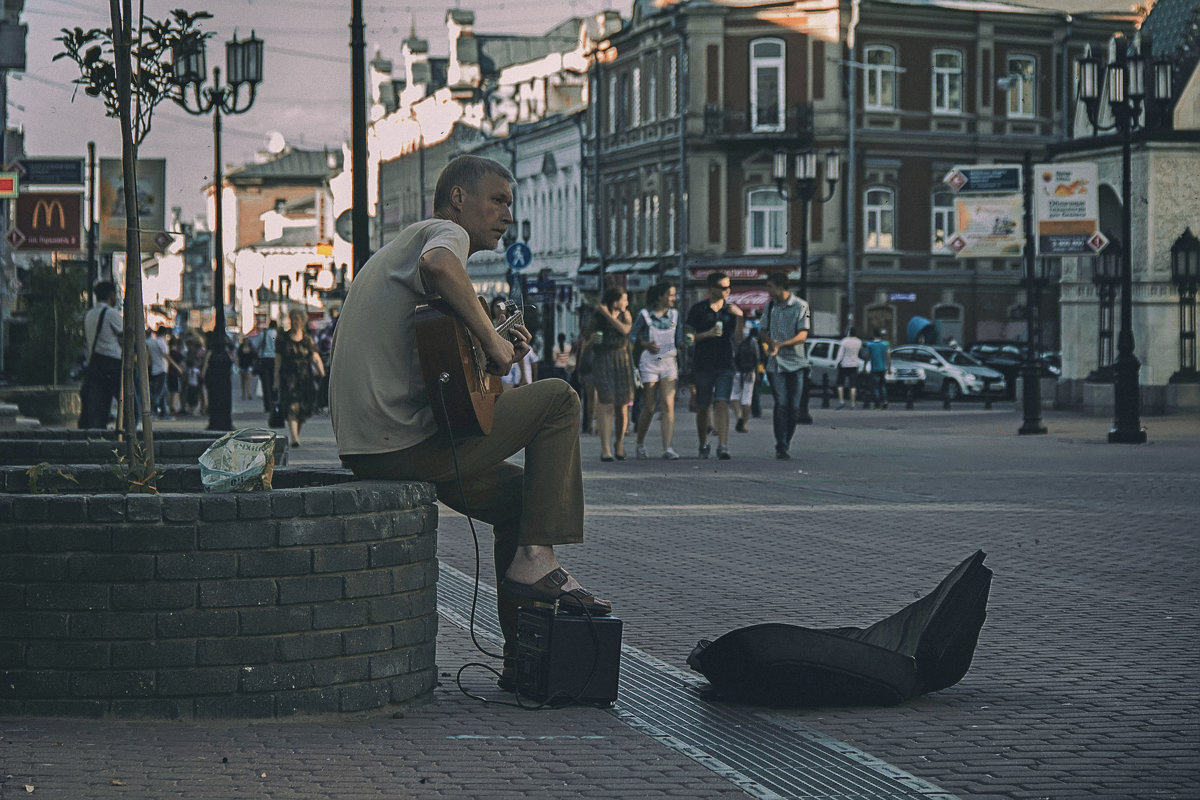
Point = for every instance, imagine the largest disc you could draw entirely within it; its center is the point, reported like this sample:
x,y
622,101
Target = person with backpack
x,y
745,362
656,328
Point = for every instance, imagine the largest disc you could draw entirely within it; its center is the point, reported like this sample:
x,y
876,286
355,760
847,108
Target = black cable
x,y
577,697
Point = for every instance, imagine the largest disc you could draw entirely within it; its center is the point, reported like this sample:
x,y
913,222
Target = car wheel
x,y
951,390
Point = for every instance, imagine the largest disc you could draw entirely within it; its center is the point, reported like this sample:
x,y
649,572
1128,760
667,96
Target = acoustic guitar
x,y
454,367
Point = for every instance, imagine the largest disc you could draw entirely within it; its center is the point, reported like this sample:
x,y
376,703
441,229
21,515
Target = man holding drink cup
x,y
715,326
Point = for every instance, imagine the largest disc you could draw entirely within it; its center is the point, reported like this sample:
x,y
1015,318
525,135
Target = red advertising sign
x,y
49,221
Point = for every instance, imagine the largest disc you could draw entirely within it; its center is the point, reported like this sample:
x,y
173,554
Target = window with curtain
x,y
943,220
652,90
1021,95
766,85
880,78
947,82
879,219
612,103
766,222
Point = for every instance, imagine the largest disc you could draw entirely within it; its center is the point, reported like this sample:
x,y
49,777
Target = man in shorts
x,y
717,327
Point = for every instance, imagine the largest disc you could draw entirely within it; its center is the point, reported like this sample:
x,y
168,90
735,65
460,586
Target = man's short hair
x,y
778,279
715,278
105,290
465,171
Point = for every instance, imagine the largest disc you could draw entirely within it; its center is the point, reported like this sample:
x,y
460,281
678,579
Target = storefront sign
x,y
48,221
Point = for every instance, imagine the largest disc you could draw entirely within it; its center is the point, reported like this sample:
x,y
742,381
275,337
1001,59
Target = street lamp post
x,y
243,67
803,188
1126,78
1106,275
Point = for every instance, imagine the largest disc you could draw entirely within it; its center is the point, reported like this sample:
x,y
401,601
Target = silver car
x,y
950,372
825,353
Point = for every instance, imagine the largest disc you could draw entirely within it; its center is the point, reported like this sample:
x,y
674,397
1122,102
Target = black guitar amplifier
x,y
567,657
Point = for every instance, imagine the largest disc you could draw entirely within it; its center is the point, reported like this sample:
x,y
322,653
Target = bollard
x,y
987,394
946,397
825,390
908,396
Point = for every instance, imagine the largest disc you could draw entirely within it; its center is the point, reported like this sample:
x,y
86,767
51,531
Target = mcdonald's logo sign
x,y
50,220
44,215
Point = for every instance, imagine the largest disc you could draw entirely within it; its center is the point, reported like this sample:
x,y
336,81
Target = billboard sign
x,y
50,171
989,179
988,227
48,221
1067,210
151,202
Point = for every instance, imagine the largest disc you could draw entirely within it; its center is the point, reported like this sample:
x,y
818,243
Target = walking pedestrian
x,y
745,361
245,362
879,361
266,364
656,328
716,326
848,367
297,365
784,329
612,371
102,330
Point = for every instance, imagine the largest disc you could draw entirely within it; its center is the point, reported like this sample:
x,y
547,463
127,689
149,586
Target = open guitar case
x,y
924,647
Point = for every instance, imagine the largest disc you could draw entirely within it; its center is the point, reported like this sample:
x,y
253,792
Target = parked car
x,y
825,353
1007,358
950,372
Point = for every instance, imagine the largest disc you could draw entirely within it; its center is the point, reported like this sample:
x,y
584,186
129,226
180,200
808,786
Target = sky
x,y
305,93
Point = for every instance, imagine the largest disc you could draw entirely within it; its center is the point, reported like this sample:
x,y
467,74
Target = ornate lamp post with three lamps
x,y
1126,79
243,62
803,188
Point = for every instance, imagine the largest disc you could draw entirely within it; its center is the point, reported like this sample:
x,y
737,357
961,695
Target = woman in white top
x,y
657,330
848,367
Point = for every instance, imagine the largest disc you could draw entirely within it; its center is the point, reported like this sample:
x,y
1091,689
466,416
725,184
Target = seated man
x,y
381,416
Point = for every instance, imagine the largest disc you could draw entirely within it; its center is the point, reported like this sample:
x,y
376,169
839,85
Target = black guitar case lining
x,y
924,647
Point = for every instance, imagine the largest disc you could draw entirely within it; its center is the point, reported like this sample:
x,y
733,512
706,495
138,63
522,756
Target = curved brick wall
x,y
317,596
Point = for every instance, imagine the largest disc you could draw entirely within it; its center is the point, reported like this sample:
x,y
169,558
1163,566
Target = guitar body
x,y
446,347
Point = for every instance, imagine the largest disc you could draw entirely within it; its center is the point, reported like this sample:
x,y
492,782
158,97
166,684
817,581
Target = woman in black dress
x,y
296,366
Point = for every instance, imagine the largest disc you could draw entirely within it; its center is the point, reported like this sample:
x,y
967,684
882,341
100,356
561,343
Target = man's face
x,y
776,292
720,291
486,211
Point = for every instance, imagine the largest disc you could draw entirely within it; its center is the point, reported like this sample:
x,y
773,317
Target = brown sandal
x,y
548,590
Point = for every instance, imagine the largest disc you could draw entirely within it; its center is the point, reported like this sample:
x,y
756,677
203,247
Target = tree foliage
x,y
152,74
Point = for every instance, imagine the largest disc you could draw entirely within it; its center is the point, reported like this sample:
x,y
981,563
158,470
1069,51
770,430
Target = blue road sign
x,y
518,255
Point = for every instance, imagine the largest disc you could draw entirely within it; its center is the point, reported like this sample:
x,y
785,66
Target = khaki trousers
x,y
540,504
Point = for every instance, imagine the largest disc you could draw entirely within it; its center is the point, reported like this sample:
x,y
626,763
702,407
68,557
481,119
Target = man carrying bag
x,y
102,330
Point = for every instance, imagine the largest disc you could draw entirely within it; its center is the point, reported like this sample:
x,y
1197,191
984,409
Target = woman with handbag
x,y
296,364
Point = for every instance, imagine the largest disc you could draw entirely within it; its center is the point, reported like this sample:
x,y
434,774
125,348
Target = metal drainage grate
x,y
768,756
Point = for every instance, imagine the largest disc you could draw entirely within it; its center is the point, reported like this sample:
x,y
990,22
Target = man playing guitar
x,y
380,409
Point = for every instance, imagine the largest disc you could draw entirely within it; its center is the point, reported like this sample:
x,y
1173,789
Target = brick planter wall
x,y
317,596
74,446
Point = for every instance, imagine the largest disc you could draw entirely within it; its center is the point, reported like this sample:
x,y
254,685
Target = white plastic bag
x,y
240,461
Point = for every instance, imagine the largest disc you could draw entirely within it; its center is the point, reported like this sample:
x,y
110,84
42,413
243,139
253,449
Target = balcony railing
x,y
725,123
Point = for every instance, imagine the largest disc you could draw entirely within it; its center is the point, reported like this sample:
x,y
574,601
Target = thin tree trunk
x,y
134,318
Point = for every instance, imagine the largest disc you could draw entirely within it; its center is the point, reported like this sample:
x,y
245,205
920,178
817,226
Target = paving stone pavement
x,y
1082,686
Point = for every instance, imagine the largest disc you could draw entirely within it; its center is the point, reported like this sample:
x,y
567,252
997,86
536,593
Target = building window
x,y
947,82
637,227
635,116
614,243
766,85
612,103
1020,96
943,220
655,236
673,86
671,216
766,222
879,219
881,78
651,91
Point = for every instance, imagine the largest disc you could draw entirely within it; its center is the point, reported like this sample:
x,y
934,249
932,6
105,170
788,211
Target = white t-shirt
x,y
107,338
377,400
851,347
156,355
